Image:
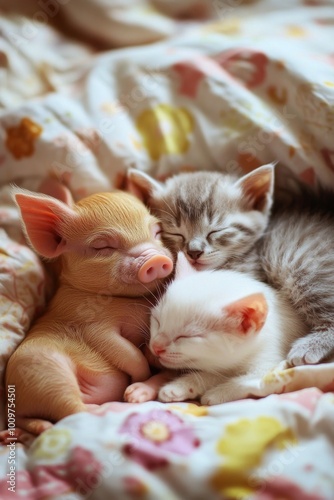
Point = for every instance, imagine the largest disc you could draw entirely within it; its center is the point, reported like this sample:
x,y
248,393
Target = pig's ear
x,y
43,218
258,187
142,185
183,267
52,187
246,316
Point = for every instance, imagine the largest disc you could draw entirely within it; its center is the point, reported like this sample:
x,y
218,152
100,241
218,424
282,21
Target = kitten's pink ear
x,y
258,187
52,187
247,315
183,267
142,185
42,217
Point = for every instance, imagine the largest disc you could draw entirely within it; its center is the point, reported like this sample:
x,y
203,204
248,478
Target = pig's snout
x,y
158,266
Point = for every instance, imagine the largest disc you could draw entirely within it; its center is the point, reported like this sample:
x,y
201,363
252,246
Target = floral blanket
x,y
89,88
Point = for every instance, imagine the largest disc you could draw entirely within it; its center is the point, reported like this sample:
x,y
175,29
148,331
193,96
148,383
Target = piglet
x,y
85,349
140,392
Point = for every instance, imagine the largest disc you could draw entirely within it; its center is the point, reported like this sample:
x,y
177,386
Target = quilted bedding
x,y
164,87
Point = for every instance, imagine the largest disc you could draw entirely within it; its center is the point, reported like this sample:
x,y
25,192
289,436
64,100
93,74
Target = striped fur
x,y
218,215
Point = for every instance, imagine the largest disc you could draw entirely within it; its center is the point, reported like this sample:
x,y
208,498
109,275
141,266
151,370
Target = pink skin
x,y
170,360
158,266
146,263
158,350
139,392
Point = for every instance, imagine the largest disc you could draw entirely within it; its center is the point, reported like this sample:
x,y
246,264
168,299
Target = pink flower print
x,y
190,78
155,435
246,65
81,474
307,398
192,72
83,470
36,485
280,487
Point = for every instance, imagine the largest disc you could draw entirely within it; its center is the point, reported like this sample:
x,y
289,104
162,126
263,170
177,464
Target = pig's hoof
x,y
139,393
33,425
20,436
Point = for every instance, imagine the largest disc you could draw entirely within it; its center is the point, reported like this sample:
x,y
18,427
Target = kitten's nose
x,y
194,254
158,350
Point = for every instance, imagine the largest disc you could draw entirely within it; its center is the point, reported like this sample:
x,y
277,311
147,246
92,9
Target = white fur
x,y
193,308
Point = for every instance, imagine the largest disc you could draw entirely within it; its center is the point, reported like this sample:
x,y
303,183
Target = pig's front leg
x,y
120,352
140,392
128,358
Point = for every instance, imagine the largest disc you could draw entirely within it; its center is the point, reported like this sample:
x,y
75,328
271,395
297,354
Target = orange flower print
x,y
246,65
21,138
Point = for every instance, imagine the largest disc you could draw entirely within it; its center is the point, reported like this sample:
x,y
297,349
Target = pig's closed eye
x,y
105,245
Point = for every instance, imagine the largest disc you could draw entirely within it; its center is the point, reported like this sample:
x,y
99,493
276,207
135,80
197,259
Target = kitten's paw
x,y
176,391
139,392
309,350
213,397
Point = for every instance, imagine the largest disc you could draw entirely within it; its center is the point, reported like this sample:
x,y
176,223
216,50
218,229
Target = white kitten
x,y
224,328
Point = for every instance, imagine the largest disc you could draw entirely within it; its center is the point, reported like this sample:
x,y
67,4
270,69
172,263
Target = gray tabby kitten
x,y
223,222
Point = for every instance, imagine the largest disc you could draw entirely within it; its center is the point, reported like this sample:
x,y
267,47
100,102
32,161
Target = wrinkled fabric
x,y
199,85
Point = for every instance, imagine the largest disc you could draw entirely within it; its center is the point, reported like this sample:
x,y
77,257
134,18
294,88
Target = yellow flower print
x,y
21,138
156,431
230,26
243,446
52,443
191,409
164,130
295,31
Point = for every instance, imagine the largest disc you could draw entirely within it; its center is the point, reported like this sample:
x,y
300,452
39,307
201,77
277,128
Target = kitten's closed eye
x,y
221,236
212,232
155,319
190,336
180,337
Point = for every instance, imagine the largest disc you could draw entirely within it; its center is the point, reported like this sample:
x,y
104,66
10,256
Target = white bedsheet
x,y
254,83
